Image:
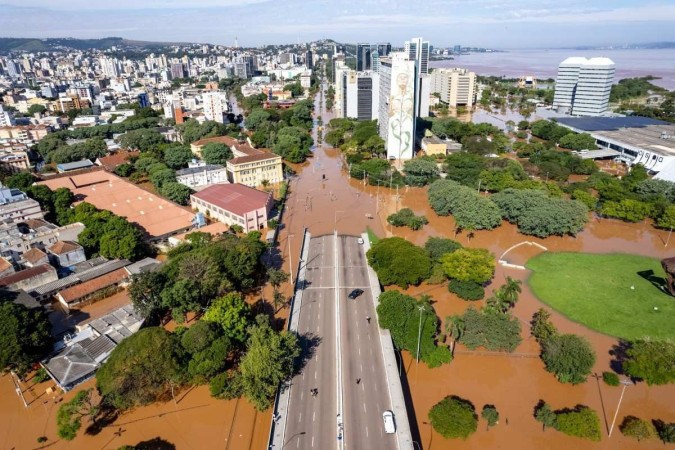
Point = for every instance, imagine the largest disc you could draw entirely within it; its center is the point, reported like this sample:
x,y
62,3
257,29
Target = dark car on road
x,y
355,293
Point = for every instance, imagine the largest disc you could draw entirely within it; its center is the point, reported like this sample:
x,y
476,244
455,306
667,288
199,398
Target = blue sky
x,y
488,23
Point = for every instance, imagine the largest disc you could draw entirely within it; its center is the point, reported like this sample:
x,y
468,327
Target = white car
x,y
389,425
360,241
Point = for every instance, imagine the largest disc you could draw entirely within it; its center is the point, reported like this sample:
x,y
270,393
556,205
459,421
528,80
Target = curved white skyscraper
x,y
583,85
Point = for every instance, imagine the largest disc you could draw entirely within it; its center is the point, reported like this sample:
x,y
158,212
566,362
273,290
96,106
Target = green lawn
x,y
595,290
372,236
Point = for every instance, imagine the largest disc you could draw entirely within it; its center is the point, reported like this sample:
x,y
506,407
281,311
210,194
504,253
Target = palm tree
x,y
454,328
509,292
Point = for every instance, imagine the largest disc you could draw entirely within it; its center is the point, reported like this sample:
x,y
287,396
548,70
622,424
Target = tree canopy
x,y
399,262
453,417
25,335
471,210
569,357
216,153
651,361
469,264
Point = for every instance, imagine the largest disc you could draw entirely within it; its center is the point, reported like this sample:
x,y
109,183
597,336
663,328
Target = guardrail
x,y
403,433
278,425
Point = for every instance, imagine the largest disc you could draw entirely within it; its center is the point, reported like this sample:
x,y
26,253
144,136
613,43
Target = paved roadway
x,y
361,355
311,421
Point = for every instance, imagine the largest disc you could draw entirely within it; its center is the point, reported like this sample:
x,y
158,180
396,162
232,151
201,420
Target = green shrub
x,y
226,385
438,356
610,378
490,414
637,428
467,290
569,357
581,422
454,417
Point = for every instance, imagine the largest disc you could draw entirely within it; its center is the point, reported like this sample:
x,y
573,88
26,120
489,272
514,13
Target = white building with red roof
x,y
234,204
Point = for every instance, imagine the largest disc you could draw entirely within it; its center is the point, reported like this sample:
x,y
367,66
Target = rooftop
x,y
74,293
33,255
199,169
235,198
104,190
63,247
110,162
74,165
26,274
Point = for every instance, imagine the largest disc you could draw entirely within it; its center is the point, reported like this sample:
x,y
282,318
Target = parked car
x,y
355,293
389,425
360,241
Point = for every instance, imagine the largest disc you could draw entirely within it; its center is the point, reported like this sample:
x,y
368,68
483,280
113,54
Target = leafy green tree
x,y
454,328
493,331
400,262
453,417
70,414
581,422
276,277
651,361
216,153
544,414
667,219
469,264
541,326
506,296
627,209
420,171
586,198
470,210
268,361
610,378
666,431
21,180
124,170
141,139
491,415
406,217
227,385
465,168
232,313
25,335
257,119
141,369
176,192
295,89
569,357
208,348
537,214
438,247
178,156
636,428
581,141
292,144
39,109
466,290
182,297
145,292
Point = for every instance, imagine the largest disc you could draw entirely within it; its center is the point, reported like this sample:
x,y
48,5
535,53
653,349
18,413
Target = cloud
x,y
121,5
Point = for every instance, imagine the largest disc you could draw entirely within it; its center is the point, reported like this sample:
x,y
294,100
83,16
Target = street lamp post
x,y
290,258
335,220
625,384
419,333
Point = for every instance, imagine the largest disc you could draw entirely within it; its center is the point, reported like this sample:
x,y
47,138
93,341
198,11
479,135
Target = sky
x,y
496,24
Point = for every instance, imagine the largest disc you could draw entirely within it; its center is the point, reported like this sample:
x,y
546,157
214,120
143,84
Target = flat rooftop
x,y
642,133
157,216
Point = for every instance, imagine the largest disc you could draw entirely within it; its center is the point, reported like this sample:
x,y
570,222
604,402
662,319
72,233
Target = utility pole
x,y
290,257
625,384
419,333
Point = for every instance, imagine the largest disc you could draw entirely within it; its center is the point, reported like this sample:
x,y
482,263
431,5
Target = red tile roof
x,y
62,247
81,290
110,162
235,198
253,158
33,255
26,274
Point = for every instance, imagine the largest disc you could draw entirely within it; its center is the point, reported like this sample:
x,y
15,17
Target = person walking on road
x,y
368,319
358,380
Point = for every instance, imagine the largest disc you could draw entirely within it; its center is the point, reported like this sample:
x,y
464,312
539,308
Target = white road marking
x,y
302,394
315,375
359,351
314,416
312,441
298,444
300,418
366,431
364,407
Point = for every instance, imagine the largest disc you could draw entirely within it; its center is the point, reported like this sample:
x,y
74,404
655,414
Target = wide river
x,y
544,63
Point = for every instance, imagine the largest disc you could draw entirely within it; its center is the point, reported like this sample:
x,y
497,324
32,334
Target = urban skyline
x,y
443,22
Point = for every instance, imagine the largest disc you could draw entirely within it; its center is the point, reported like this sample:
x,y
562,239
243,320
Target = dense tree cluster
x,y
538,214
198,272
358,139
143,139
489,329
192,130
630,88
399,262
420,171
25,335
651,361
401,315
407,218
568,356
580,421
470,210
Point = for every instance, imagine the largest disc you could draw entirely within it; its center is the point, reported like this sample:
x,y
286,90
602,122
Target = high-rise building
x,y
363,61
583,86
309,62
358,94
368,55
455,86
418,50
215,106
397,104
13,69
177,71
6,118
110,67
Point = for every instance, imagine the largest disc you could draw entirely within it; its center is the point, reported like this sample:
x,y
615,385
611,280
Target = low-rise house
x,y
34,257
88,290
16,205
143,266
234,204
111,162
6,268
82,353
66,253
29,279
19,236
433,145
196,177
